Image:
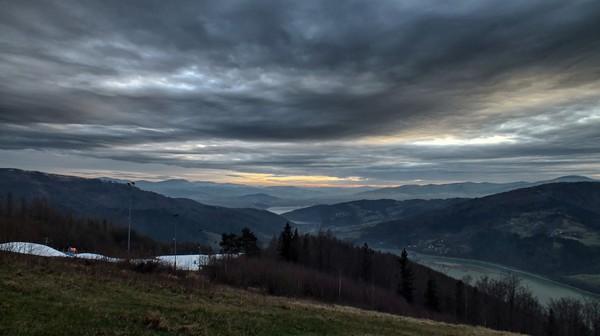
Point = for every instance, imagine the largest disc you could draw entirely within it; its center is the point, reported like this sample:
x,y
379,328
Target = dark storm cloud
x,y
305,87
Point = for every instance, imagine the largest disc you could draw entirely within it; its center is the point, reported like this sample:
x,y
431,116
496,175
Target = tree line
x,y
325,268
37,221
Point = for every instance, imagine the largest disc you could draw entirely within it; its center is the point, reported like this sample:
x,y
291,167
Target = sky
x,y
321,93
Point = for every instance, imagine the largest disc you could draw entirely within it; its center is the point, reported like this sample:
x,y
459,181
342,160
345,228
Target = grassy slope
x,y
39,296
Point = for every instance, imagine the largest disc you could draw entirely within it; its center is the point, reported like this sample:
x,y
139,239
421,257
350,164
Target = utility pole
x,y
199,256
130,184
339,285
175,241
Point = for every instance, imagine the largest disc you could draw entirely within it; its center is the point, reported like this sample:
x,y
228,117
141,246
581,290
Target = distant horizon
x,y
107,175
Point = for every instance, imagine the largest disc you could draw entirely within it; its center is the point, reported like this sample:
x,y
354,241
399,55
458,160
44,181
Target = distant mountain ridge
x,y
239,195
233,195
153,214
370,211
459,190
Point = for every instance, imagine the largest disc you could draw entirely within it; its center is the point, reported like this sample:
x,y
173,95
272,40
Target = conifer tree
x,y
248,243
405,287
285,243
229,243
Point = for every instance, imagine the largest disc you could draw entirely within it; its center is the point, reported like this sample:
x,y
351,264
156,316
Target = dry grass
x,y
40,296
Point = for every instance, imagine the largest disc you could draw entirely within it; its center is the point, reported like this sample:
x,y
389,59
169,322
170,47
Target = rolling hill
x,y
153,214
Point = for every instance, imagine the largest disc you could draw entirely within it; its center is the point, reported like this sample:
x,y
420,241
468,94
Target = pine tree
x,y
431,297
248,243
229,243
405,287
285,243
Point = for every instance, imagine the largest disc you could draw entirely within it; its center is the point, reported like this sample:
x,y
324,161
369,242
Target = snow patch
x,y
94,256
31,248
188,262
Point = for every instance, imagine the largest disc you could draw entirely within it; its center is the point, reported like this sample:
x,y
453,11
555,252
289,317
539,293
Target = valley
x,y
543,288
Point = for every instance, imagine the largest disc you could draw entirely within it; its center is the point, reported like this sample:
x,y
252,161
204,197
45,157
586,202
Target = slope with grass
x,y
41,296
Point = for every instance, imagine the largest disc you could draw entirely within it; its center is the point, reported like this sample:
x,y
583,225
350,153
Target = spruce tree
x,y
285,243
229,243
248,243
366,263
405,287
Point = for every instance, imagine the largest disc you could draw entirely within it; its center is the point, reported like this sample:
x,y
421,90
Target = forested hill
x,y
553,229
153,214
364,212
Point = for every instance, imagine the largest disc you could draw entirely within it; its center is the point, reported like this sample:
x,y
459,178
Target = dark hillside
x,y
553,229
153,214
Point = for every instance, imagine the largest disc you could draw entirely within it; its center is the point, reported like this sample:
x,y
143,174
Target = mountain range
x,y
458,190
239,195
152,214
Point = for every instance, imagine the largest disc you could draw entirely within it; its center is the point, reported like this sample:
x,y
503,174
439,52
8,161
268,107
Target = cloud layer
x,y
379,92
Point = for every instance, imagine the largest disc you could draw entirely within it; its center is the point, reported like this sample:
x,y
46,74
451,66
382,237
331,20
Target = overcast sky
x,y
302,92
